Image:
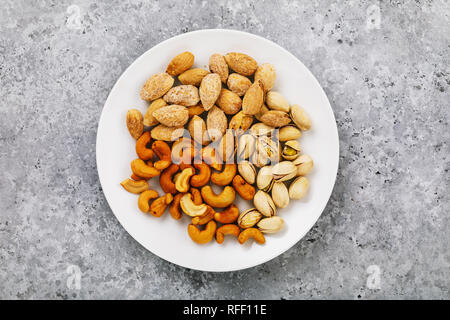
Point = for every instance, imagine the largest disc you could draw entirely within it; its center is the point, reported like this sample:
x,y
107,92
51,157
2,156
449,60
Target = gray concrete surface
x,y
385,68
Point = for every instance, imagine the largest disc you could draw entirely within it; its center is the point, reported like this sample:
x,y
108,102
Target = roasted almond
x,y
216,123
156,86
229,101
162,132
149,119
184,95
172,116
209,90
197,130
263,110
193,76
217,64
275,118
253,99
135,123
180,63
240,122
238,83
241,63
266,73
195,110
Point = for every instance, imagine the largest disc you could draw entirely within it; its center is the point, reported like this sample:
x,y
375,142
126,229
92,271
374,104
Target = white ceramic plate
x,y
168,238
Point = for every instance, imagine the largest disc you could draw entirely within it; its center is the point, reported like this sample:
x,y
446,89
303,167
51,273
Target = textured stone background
x,y
385,231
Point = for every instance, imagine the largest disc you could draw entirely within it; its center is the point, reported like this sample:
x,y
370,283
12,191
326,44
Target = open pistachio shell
x,y
304,164
264,180
291,150
247,171
264,203
270,225
284,171
289,132
249,218
280,195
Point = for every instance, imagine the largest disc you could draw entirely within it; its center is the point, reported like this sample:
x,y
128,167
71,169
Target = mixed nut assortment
x,y
222,127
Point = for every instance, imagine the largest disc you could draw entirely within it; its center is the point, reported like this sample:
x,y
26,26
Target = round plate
x,y
168,238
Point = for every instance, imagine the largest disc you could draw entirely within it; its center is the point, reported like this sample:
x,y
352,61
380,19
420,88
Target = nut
x,y
134,186
298,188
261,129
193,76
204,236
144,198
195,110
221,200
264,203
175,207
245,190
246,146
304,164
217,64
190,208
227,147
289,132
172,116
202,178
182,183
251,233
267,149
240,122
184,95
160,205
284,171
230,229
280,195
226,176
241,63
210,156
182,149
142,151
135,123
275,118
149,119
291,150
141,169
266,73
249,218
253,98
165,179
247,171
229,101
264,180
210,88
270,225
162,150
238,83
276,101
180,63
197,130
228,215
156,86
300,117
161,132
196,196
216,123
261,112
204,219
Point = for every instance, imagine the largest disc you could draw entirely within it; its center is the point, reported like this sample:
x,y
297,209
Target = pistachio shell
x,y
264,179
264,203
268,148
304,164
246,146
276,101
249,218
270,225
289,132
261,112
291,150
284,171
298,188
247,171
261,129
280,195
300,118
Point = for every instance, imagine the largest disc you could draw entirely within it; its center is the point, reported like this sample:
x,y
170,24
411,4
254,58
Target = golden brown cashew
x,y
251,233
226,176
205,218
190,208
144,198
209,155
226,229
245,190
175,207
135,177
182,183
141,169
203,236
228,215
142,151
159,205
221,200
202,178
164,154
182,149
165,179
134,186
196,196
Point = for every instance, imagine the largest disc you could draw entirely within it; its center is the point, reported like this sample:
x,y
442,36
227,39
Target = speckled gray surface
x,y
385,68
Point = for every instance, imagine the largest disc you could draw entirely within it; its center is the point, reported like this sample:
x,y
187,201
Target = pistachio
x,y
284,170
304,164
270,225
289,132
298,188
280,195
269,148
300,118
261,129
246,146
249,218
276,101
261,112
264,203
260,159
291,150
264,180
247,171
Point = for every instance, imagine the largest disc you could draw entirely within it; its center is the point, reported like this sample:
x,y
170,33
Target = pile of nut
x,y
239,134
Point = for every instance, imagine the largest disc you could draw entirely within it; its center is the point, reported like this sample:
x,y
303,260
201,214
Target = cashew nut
x,y
226,229
134,186
135,177
245,190
210,156
202,178
141,169
159,205
226,176
196,196
165,179
203,236
175,207
228,215
182,148
164,154
251,233
204,219
142,151
221,200
182,182
144,198
190,208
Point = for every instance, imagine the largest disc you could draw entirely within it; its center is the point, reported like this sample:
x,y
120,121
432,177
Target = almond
x,y
217,64
197,130
193,76
156,86
195,110
238,84
210,90
149,119
263,110
216,122
184,95
135,123
253,99
161,132
266,73
227,146
180,63
275,118
276,101
172,116
240,122
241,63
229,101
